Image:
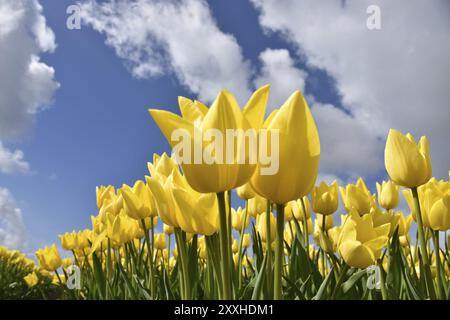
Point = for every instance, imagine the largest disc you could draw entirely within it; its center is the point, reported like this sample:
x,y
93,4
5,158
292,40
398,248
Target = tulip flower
x,y
261,227
31,279
256,206
246,241
360,243
245,192
69,241
325,198
237,219
138,201
104,193
407,163
357,197
160,241
180,206
49,258
299,153
387,195
434,204
224,114
168,229
162,165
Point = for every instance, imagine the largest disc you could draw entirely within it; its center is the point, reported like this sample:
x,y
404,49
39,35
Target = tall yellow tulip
x,y
407,163
299,153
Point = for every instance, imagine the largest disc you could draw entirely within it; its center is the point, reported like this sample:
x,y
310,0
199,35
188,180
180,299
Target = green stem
x,y
305,226
423,245
149,255
384,293
181,247
226,280
440,285
239,266
279,253
340,281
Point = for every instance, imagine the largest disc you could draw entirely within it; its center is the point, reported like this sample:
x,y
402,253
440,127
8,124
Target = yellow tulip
x,y
111,205
387,195
162,165
404,224
235,246
301,213
69,241
407,163
237,219
160,241
325,198
97,224
357,197
31,279
256,206
360,243
218,175
434,204
104,194
168,229
261,227
49,258
246,192
137,201
246,240
299,153
180,206
121,228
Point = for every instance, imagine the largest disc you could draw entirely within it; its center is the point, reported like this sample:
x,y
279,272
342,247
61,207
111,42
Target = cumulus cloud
x,y
278,69
12,161
179,37
27,87
394,77
339,131
12,229
28,84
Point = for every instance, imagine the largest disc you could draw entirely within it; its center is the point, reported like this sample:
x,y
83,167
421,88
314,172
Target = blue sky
x,y
97,129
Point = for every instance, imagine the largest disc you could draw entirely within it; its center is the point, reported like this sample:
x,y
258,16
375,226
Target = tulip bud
x,y
299,153
407,163
387,195
160,241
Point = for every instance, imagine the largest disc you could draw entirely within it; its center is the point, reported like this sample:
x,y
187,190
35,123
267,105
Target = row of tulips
x,y
270,248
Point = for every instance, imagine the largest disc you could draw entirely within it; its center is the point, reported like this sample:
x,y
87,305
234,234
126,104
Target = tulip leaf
x,y
352,281
260,280
99,276
323,287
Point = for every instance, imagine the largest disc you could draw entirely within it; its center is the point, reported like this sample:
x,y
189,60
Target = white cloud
x,y
12,161
27,87
278,69
347,148
12,229
156,37
27,83
395,77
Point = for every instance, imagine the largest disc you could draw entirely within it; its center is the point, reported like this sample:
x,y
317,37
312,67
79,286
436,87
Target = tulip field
x,y
230,226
